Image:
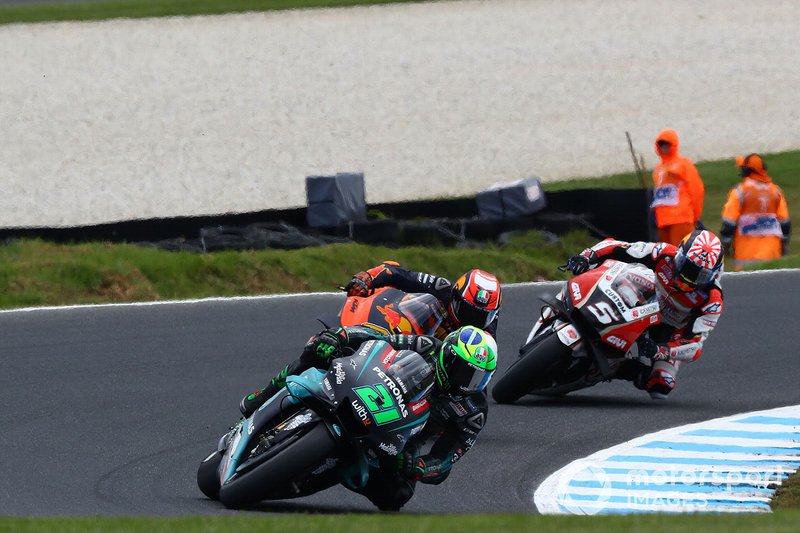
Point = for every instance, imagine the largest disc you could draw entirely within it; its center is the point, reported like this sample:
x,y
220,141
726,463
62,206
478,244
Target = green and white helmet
x,y
467,360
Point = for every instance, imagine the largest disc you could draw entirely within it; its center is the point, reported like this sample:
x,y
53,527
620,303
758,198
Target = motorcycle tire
x,y
287,463
521,377
208,475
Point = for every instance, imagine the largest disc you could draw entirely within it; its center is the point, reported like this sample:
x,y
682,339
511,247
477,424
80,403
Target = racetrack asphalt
x,y
109,410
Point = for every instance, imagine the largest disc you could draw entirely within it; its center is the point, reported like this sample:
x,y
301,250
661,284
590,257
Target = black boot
x,y
634,372
253,401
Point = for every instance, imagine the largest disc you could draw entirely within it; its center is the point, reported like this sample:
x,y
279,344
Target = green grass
x,y
511,523
109,9
788,494
36,273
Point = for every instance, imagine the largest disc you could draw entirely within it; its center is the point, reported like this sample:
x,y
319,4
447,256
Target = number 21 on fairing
x,y
379,402
603,312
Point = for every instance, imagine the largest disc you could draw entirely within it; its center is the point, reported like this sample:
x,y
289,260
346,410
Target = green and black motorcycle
x,y
322,429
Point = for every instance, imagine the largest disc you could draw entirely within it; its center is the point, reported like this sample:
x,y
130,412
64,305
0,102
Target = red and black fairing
x,y
604,313
584,333
595,323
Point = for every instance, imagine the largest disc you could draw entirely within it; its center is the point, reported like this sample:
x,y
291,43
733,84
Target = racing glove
x,y
726,232
580,263
409,466
360,285
650,350
329,344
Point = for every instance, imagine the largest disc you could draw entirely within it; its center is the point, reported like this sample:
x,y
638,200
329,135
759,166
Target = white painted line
x,y
177,302
336,294
730,464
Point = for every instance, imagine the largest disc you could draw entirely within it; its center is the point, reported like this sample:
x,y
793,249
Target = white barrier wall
x,y
149,118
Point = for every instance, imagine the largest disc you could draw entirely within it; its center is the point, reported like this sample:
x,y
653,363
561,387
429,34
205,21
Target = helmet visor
x,y
469,315
690,275
466,378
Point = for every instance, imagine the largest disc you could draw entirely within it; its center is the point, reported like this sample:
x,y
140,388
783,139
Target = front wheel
x,y
531,370
288,463
208,475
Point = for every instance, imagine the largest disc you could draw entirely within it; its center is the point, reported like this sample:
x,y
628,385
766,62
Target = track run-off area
x,y
108,410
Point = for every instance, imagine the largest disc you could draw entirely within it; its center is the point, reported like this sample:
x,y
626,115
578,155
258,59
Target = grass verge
x,y
110,9
788,494
511,523
36,273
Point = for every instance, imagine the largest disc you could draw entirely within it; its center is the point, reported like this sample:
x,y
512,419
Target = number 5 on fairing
x,y
379,402
605,313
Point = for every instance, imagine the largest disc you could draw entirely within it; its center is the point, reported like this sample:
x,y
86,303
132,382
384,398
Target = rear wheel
x,y
531,371
287,463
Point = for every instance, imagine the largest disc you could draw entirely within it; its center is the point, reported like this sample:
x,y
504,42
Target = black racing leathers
x,y
448,434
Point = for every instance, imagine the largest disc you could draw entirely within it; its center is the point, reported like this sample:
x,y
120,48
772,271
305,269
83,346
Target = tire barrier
x,y
251,237
256,236
621,213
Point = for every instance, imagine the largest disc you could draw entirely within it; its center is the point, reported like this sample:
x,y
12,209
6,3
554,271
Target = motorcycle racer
x,y
473,300
463,365
690,298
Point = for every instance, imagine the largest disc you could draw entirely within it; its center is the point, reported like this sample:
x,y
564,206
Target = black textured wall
x,y
619,213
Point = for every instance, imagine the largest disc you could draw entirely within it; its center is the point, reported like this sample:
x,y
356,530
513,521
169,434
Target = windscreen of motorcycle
x,y
636,284
423,311
391,311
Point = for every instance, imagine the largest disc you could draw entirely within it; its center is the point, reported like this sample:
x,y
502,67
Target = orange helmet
x,y
476,299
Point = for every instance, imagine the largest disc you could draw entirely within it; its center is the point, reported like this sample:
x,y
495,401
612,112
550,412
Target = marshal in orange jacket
x,y
678,189
756,216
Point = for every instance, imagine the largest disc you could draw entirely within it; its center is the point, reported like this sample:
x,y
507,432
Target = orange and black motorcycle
x,y
391,311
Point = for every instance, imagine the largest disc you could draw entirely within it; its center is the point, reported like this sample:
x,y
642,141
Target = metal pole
x,y
639,169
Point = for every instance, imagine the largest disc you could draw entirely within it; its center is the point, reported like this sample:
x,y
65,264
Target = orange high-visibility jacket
x,y
678,189
757,207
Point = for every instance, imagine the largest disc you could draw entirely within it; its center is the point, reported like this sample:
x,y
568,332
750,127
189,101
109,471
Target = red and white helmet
x,y
476,299
698,262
